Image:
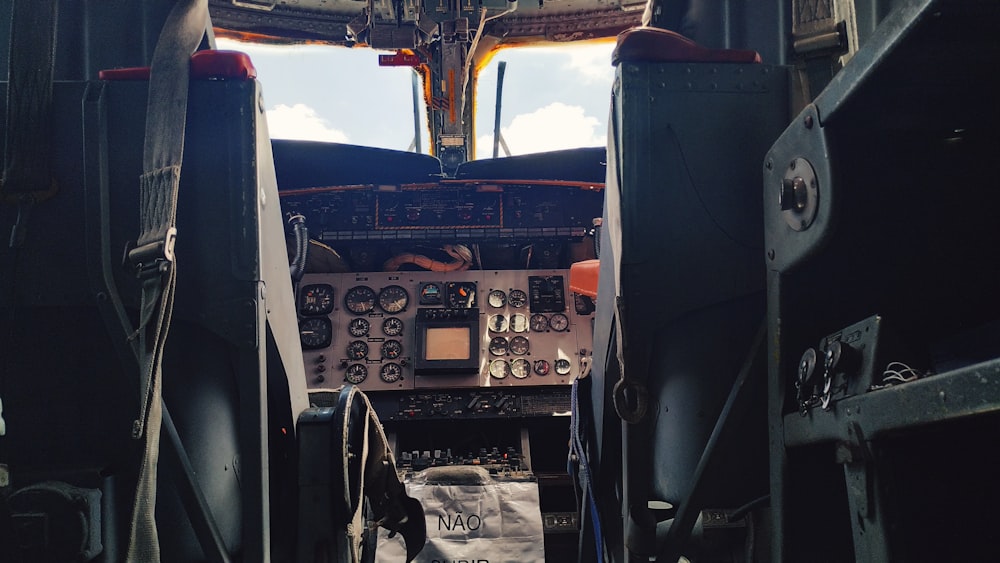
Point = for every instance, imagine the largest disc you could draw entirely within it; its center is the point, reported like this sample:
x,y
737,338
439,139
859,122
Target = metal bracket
x,y
155,257
856,458
860,473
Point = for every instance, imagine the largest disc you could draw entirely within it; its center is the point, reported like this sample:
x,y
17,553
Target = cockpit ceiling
x,y
332,21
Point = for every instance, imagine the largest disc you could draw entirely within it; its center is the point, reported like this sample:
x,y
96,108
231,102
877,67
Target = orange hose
x,y
457,252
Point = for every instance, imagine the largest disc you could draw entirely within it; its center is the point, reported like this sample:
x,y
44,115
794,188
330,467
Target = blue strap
x,y
578,451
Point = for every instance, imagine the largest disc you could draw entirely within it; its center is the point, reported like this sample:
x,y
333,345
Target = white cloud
x,y
593,62
554,127
301,122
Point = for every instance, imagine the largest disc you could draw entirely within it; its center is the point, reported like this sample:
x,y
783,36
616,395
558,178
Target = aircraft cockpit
x,y
449,302
754,321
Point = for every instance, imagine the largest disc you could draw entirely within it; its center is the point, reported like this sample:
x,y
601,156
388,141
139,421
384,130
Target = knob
x,y
805,383
794,194
807,368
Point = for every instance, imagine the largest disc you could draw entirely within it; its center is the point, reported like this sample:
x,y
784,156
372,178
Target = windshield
x,y
553,97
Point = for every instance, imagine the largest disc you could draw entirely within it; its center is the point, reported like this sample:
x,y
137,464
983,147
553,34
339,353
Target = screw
x,y
770,254
808,122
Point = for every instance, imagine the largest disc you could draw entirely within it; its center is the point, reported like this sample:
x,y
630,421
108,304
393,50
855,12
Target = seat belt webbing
x,y
153,257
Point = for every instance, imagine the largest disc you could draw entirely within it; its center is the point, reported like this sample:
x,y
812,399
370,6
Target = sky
x,y
553,97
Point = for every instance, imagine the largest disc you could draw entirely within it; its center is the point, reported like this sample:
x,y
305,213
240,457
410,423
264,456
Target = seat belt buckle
x,y
154,258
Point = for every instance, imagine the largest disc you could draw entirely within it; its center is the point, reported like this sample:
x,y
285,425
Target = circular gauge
x,y
356,373
541,367
498,346
497,298
393,299
392,326
563,366
520,368
518,322
519,346
558,322
359,327
539,323
430,294
360,299
392,349
315,333
316,299
498,323
517,298
499,369
461,295
357,350
390,373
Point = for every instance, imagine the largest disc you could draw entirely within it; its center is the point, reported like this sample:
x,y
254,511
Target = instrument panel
x,y
447,213
424,330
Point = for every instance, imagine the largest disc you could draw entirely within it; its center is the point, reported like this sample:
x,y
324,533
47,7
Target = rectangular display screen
x,y
447,343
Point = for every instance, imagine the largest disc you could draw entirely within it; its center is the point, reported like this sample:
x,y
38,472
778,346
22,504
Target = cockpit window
x,y
553,98
336,94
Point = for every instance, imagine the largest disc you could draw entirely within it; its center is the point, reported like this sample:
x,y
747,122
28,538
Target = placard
x,y
498,521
